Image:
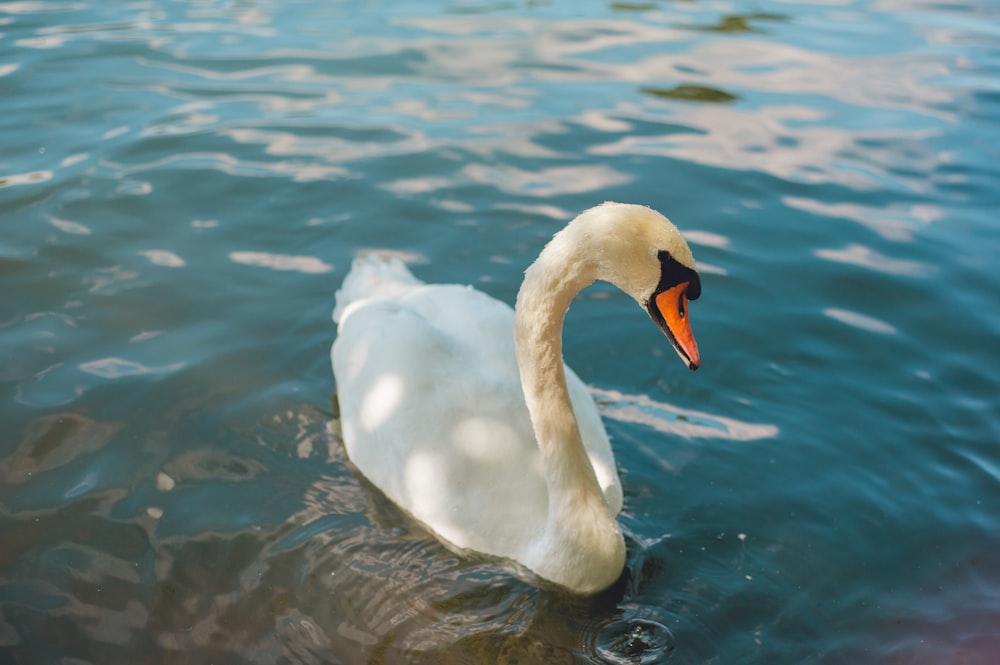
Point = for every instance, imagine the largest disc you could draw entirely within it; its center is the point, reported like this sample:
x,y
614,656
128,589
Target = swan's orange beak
x,y
672,306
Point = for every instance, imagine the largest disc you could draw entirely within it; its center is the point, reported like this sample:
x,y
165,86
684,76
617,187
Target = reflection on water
x,y
694,93
347,574
672,420
742,22
184,184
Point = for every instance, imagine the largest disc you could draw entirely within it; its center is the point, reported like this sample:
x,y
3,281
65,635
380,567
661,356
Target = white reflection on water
x,y
670,419
144,336
866,257
226,163
539,182
67,226
305,264
31,178
557,50
549,40
783,141
74,159
896,222
419,185
706,238
711,269
163,257
111,280
134,188
888,81
860,321
116,368
553,181
115,132
521,52
49,42
519,55
284,143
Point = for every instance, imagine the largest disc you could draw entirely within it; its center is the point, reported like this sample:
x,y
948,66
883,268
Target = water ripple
x,y
860,321
183,186
305,264
669,419
865,257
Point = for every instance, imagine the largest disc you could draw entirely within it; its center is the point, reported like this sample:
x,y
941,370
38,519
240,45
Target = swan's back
x,y
372,276
433,413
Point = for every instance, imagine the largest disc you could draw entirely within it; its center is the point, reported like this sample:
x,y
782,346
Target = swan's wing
x,y
433,414
372,276
595,440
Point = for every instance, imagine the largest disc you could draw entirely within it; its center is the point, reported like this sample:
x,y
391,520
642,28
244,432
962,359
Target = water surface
x,y
184,184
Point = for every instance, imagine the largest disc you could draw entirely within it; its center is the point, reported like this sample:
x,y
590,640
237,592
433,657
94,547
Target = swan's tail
x,y
372,276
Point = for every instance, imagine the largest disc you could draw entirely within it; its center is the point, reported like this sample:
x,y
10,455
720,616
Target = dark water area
x,y
183,186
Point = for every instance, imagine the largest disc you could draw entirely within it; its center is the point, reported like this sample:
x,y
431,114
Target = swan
x,y
463,413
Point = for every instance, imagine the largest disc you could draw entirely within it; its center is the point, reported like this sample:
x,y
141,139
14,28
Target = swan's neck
x,y
579,523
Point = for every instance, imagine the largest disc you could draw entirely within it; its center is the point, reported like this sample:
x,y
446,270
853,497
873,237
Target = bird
x,y
463,413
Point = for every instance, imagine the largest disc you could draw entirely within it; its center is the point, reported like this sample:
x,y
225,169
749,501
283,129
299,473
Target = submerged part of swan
x,y
462,411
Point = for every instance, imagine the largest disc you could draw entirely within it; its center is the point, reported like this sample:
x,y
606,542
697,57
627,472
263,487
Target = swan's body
x,y
463,413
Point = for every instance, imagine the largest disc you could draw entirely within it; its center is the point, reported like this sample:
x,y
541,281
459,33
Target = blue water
x,y
183,185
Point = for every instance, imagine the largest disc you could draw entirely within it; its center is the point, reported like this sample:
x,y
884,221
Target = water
x,y
183,184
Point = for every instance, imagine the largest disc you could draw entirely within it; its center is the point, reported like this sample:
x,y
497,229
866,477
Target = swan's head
x,y
641,252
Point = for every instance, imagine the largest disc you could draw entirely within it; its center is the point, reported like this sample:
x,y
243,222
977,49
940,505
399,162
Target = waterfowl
x,y
462,411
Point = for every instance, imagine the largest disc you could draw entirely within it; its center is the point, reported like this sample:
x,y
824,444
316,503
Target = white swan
x,y
462,412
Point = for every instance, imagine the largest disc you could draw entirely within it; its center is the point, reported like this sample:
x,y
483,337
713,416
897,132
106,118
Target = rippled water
x,y
183,184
